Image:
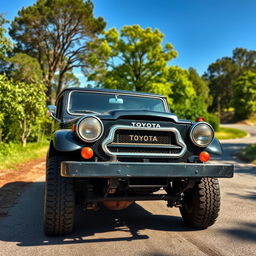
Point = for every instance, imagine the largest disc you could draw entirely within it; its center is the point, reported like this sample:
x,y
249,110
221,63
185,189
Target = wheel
x,y
201,204
59,200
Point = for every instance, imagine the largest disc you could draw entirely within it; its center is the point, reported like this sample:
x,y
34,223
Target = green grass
x,y
13,154
229,133
249,154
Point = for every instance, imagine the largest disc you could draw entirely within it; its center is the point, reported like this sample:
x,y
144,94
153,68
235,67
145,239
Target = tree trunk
x,y
219,107
60,83
49,95
24,142
50,99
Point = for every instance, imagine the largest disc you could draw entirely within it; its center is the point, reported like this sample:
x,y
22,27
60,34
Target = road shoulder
x,y
14,181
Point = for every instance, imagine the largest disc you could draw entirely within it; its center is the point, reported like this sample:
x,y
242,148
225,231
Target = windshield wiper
x,y
85,111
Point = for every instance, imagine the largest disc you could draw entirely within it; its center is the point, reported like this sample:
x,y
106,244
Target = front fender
x,y
215,147
63,140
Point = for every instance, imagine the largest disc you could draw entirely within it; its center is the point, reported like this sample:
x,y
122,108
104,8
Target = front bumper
x,y
144,170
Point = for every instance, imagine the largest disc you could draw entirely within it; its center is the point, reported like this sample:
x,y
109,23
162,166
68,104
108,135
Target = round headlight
x,y
201,134
89,128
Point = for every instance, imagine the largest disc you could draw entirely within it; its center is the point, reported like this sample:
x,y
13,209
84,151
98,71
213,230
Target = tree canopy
x,y
223,74
24,68
134,60
201,87
56,33
5,43
245,95
185,101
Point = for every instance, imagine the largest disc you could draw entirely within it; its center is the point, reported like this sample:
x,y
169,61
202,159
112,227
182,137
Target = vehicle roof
x,y
111,91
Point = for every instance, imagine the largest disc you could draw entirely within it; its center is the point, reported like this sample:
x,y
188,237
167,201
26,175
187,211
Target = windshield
x,y
83,102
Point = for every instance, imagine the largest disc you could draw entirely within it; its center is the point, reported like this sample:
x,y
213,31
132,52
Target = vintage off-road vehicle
x,y
115,147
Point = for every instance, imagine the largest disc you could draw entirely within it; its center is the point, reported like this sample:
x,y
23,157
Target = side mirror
x,y
52,112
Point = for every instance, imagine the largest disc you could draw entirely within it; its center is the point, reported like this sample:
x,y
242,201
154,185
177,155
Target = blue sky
x,y
200,30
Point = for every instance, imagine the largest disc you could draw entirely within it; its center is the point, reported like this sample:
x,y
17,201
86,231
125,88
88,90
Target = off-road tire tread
x,y
59,200
206,204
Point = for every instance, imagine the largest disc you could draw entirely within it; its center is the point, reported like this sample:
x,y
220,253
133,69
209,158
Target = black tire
x,y
201,204
59,200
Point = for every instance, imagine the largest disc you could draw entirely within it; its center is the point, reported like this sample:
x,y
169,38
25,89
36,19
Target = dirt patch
x,y
14,181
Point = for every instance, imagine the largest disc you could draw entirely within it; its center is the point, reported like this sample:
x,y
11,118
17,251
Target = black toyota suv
x,y
113,147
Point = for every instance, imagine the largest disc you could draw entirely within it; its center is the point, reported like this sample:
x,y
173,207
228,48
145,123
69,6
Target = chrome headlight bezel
x,y
81,125
196,140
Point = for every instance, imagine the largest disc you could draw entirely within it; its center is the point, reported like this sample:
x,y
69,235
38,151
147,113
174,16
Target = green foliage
x,y
213,120
245,95
5,43
133,60
185,102
223,74
69,80
25,68
201,87
56,33
22,105
182,88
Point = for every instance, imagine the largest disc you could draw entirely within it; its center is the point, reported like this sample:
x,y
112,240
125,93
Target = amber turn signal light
x,y
204,157
200,119
87,153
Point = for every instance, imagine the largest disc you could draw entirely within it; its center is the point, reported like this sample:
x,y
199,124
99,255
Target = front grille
x,y
143,137
126,141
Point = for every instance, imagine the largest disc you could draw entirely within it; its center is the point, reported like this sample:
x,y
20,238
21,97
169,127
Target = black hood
x,y
139,115
134,115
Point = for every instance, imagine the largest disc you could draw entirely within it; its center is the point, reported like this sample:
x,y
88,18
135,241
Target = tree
x,y
56,33
245,95
244,59
21,105
24,68
185,102
5,43
201,87
223,74
69,80
134,60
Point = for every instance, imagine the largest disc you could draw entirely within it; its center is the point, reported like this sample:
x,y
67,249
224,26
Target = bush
x,y
245,95
213,120
22,106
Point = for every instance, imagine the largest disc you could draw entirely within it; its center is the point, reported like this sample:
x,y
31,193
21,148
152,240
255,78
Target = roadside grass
x,y
229,133
13,154
248,154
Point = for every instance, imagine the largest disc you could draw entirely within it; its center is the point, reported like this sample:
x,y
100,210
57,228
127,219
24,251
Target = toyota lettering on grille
x,y
148,125
143,138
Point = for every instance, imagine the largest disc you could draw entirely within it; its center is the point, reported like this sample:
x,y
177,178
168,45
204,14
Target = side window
x,y
59,107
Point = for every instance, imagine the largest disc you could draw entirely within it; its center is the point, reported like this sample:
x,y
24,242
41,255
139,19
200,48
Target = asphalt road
x,y
146,228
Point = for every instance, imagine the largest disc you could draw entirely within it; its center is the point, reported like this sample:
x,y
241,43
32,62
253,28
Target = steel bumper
x,y
140,170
